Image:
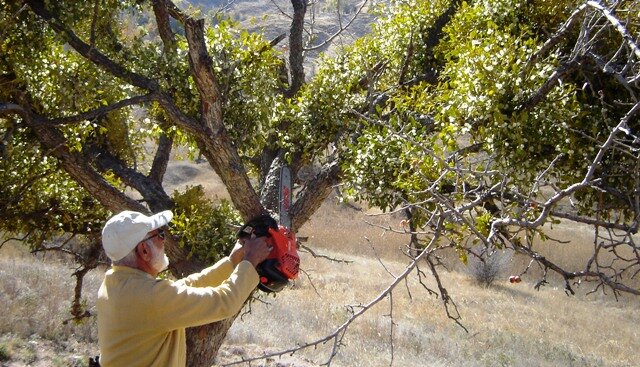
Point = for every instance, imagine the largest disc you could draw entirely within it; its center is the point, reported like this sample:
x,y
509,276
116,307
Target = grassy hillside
x,y
509,325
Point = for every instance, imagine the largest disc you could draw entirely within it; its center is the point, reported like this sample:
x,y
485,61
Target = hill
x,y
508,324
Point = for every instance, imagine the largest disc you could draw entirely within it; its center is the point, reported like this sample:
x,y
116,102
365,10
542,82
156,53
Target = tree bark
x,y
214,143
296,53
314,194
80,170
203,342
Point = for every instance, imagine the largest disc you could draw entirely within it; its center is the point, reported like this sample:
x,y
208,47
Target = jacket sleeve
x,y
211,276
178,305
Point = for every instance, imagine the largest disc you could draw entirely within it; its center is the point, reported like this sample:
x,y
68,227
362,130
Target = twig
x,y
16,238
587,181
340,30
311,282
391,326
338,334
375,253
316,255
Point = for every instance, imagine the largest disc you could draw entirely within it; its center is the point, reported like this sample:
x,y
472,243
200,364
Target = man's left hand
x,y
237,253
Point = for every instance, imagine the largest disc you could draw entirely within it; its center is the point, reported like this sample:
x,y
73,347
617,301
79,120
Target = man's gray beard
x,y
159,261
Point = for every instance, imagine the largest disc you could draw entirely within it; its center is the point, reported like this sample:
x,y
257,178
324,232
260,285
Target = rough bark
x,y
270,188
81,171
296,52
314,194
215,144
204,342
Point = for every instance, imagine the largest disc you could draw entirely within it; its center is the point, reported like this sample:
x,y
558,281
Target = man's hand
x,y
256,250
237,253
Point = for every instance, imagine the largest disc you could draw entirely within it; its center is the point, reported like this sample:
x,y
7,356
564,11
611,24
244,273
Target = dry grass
x,y
35,296
509,325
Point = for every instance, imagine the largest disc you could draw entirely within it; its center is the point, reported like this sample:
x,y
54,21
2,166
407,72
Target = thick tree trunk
x,y
203,342
214,142
208,130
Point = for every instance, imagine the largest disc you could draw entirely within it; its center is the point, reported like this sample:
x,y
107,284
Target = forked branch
x,y
335,338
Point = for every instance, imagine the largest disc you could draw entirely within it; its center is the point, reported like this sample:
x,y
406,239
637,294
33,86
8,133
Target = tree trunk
x,y
203,342
208,130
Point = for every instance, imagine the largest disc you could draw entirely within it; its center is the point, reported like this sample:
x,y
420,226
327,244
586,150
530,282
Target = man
x,y
141,319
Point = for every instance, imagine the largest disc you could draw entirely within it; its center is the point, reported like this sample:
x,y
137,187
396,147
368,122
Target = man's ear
x,y
144,251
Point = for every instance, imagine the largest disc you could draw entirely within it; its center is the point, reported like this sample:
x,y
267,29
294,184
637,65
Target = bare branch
x,y
338,334
224,7
340,30
281,10
558,37
100,111
316,255
588,181
16,239
618,26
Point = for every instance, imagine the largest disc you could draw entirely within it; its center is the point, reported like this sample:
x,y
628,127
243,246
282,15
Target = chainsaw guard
x,y
283,263
271,279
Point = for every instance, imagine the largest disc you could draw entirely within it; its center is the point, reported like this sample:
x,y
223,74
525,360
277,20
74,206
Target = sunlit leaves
x,y
37,195
246,68
202,226
484,113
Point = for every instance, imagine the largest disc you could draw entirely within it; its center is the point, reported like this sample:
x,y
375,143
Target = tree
x,y
86,85
488,122
472,117
510,120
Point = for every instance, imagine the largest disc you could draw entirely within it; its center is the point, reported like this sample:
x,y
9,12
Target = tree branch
x,y
558,37
89,52
100,111
215,143
164,26
618,26
339,31
314,193
587,181
296,48
77,167
338,334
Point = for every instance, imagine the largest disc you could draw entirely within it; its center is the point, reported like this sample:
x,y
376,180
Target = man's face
x,y
159,260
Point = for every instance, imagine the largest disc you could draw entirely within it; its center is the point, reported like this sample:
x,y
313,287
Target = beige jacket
x,y
142,320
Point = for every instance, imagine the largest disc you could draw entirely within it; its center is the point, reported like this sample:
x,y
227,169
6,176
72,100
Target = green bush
x,y
5,355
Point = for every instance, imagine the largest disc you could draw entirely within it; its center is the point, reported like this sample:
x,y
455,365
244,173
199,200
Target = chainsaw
x,y
283,263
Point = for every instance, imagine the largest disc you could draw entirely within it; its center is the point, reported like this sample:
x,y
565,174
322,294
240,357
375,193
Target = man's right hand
x,y
256,250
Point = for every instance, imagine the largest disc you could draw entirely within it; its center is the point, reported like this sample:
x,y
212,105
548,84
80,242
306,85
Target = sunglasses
x,y
160,234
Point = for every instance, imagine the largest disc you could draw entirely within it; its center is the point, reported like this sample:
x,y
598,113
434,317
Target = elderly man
x,y
141,319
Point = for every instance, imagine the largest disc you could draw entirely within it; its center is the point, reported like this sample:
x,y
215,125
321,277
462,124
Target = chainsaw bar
x,y
285,197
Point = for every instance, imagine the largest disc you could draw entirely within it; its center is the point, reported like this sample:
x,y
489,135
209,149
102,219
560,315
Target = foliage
x,y
39,198
4,352
247,69
505,125
483,120
206,229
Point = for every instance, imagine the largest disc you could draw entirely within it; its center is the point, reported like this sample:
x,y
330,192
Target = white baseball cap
x,y
125,230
